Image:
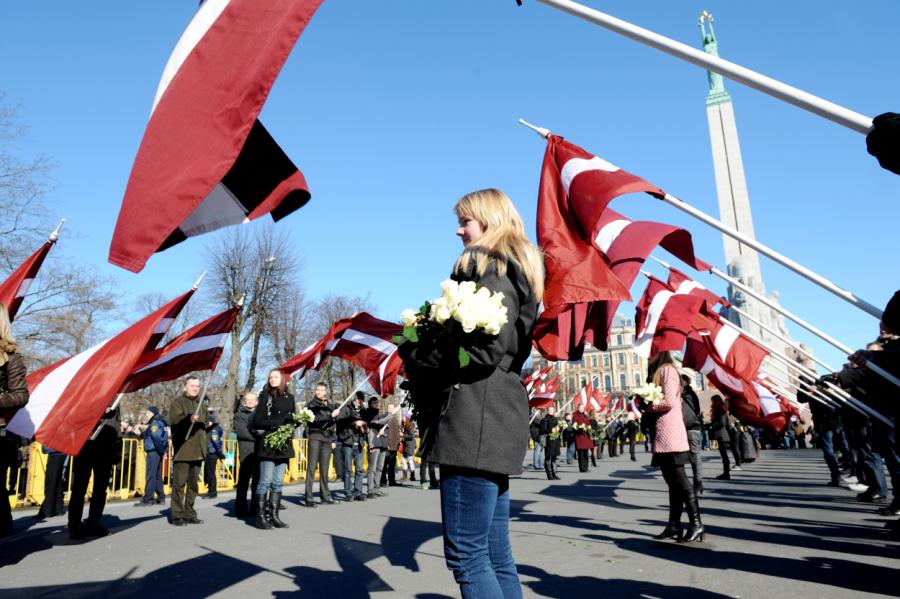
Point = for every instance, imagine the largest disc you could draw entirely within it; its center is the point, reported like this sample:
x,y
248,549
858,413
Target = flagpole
x,y
787,93
846,397
352,393
807,388
767,251
55,234
115,404
815,331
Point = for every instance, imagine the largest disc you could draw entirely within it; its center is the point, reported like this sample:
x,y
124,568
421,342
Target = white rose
x,y
408,317
451,291
440,310
467,288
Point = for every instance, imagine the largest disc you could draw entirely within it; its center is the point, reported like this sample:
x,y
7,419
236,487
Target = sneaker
x,y
425,486
892,510
849,480
95,529
724,476
380,493
359,497
857,488
178,522
371,496
871,497
736,468
143,503
194,520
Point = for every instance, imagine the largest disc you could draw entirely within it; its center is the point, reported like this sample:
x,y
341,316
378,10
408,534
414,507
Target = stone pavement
x,y
774,530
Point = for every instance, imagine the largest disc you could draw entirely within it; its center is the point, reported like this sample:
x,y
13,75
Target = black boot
x,y
548,471
553,471
274,505
412,475
240,507
698,487
259,506
673,528
695,530
593,460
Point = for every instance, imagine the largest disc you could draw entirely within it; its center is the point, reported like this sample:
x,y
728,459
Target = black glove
x,y
883,141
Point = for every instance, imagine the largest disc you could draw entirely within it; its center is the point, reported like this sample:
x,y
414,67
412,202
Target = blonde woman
x,y
13,394
480,436
671,450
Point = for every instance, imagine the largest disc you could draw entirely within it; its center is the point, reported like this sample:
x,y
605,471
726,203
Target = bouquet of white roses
x,y
463,311
281,436
650,393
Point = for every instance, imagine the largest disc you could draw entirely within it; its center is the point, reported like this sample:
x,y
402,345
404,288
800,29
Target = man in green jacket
x,y
187,416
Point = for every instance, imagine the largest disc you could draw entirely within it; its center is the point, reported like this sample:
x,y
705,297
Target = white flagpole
x,y
807,387
815,331
849,399
767,251
829,110
55,234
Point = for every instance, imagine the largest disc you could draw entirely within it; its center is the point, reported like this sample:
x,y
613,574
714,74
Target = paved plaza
x,y
775,530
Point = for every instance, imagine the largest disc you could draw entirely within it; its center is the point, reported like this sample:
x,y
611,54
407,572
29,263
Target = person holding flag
x,y
187,416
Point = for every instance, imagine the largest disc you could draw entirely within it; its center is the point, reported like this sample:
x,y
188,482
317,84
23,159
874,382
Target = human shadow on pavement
x,y
353,579
600,491
200,576
402,537
15,548
518,514
553,585
840,573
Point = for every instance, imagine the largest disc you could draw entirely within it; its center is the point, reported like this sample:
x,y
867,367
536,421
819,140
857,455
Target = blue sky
x,y
393,110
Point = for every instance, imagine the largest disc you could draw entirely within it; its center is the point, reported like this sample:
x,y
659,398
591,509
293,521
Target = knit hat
x,y
890,320
153,410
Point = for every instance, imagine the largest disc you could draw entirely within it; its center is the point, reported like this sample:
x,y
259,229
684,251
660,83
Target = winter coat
x,y
214,447
582,438
671,435
483,418
690,409
13,388
409,442
376,422
273,410
551,449
180,411
156,437
720,425
245,435
347,432
322,427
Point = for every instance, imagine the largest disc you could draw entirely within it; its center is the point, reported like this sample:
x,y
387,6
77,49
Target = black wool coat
x,y
481,419
272,411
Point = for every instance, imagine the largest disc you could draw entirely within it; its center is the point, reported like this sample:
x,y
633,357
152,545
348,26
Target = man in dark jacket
x,y
377,444
249,467
693,422
187,416
321,438
351,434
214,452
156,445
95,458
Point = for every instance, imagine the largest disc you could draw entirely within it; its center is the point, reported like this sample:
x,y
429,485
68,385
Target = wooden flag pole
x,y
792,95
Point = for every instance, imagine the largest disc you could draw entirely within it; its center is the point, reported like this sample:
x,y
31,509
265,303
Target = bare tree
x,y
258,267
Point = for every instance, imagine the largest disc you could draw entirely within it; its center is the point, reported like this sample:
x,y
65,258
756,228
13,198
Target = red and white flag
x,y
633,410
543,394
536,378
198,348
361,339
68,398
205,161
14,289
583,397
685,285
384,380
600,401
735,352
663,319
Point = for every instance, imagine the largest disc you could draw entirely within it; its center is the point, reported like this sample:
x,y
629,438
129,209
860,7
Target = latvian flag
x,y
543,394
362,340
68,398
198,348
536,378
14,289
734,351
205,161
685,285
663,319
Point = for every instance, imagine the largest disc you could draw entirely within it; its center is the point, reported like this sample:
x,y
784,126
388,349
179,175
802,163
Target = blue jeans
x,y
570,452
475,515
271,476
826,440
154,480
353,459
538,456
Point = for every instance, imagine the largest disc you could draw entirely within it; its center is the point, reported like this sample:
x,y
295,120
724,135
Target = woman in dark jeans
x,y
275,407
481,435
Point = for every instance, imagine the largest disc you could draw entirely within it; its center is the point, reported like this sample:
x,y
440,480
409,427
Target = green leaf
x,y
411,333
463,357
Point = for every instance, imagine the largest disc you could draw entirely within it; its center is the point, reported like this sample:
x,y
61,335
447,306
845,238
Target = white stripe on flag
x,y
576,166
218,209
609,233
198,344
376,343
23,288
725,338
729,381
44,397
644,339
768,402
688,285
206,15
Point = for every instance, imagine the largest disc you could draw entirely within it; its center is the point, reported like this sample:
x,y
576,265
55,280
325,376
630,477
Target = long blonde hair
x,y
504,238
7,341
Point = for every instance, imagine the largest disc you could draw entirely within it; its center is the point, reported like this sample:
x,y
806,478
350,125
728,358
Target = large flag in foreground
x,y
15,287
69,397
205,161
198,348
730,348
